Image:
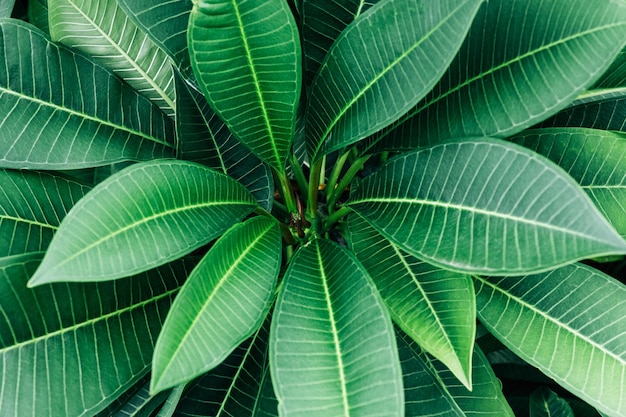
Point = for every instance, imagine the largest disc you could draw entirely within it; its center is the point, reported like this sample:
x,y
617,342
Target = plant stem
x,y
285,191
298,174
314,183
334,175
350,174
336,216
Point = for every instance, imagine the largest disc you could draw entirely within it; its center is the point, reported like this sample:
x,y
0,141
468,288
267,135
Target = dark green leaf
x,y
38,14
545,403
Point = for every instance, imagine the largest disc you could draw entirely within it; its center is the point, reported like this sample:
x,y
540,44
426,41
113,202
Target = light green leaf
x,y
516,211
521,62
71,349
204,138
545,403
32,205
6,8
433,306
382,65
596,159
569,323
431,390
223,302
141,404
165,22
246,57
322,22
332,344
142,217
102,30
44,124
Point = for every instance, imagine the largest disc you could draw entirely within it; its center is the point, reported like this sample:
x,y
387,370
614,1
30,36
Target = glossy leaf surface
x,y
142,217
569,323
516,212
72,130
368,81
71,349
102,30
332,344
522,61
596,159
251,78
222,303
433,306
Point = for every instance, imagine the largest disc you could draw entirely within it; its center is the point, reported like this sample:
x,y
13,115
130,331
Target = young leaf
x,y
367,80
569,323
32,205
246,57
222,303
102,30
516,212
142,217
596,159
433,306
332,344
107,122
545,403
522,61
71,349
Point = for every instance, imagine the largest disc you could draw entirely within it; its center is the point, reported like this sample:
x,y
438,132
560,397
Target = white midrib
x,y
333,326
27,221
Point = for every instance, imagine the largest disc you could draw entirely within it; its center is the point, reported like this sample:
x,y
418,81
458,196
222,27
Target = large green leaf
x,y
71,349
484,206
382,65
246,57
322,22
6,8
204,138
521,62
46,124
431,390
545,403
222,303
332,344
434,306
569,322
615,75
38,14
142,217
102,30
32,205
165,22
596,159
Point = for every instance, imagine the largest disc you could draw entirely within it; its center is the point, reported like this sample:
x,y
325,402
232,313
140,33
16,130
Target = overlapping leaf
x,y
6,8
71,349
142,217
32,205
58,110
615,76
102,30
569,323
433,306
246,57
141,404
545,403
382,65
222,303
38,14
204,138
484,206
332,344
596,159
521,62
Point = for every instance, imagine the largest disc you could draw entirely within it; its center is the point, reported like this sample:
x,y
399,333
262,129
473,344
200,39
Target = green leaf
x,y
569,323
596,159
142,404
332,344
545,403
142,217
222,303
322,22
165,23
38,14
169,408
433,306
32,205
71,349
368,81
102,30
431,390
204,138
44,124
6,8
615,76
252,80
516,211
522,61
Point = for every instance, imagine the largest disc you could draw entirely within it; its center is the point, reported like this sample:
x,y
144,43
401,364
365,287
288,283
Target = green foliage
x,y
316,208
